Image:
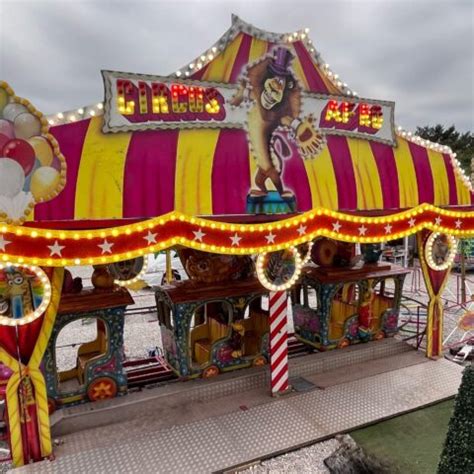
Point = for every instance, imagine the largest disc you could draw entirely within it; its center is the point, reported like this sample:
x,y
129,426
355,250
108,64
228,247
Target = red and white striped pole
x,y
278,342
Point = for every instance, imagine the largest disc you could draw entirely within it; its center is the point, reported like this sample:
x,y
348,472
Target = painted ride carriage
x,y
334,307
207,329
216,321
98,370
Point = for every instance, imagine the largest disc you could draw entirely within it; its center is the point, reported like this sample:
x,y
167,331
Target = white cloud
x,y
419,54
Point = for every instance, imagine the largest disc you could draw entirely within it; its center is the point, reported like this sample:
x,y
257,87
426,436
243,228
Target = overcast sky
x,y
419,53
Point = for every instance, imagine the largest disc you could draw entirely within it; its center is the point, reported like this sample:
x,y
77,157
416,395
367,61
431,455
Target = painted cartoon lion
x,y
276,103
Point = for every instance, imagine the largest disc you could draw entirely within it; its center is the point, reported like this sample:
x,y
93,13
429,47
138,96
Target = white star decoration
x,y
198,235
336,226
438,220
458,223
150,238
106,247
235,239
270,238
301,230
411,222
362,229
55,249
388,228
3,243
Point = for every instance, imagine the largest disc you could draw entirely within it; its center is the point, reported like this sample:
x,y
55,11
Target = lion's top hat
x,y
280,62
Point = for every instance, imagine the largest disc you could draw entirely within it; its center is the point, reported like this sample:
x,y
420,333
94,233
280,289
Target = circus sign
x,y
142,102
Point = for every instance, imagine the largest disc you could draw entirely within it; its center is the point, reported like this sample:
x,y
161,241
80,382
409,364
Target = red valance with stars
x,y
59,248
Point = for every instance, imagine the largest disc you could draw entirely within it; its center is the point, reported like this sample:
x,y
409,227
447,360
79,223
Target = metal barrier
x,y
412,321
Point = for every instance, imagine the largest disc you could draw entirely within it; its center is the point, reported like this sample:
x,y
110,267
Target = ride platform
x,y
220,424
272,203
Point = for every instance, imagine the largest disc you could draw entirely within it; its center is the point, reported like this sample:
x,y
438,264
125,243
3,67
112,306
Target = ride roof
x,y
144,174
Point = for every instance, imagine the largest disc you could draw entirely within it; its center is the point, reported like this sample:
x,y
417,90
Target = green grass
x,y
411,443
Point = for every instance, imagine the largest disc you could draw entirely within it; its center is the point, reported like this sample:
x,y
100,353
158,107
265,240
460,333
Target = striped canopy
x,y
145,174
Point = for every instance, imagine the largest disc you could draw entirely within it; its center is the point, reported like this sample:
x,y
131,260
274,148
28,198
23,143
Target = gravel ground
x,y
4,450
304,461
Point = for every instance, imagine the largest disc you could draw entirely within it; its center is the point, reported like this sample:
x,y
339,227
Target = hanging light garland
x,y
307,256
48,247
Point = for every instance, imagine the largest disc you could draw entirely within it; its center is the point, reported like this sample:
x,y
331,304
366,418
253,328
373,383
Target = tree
x,y
458,452
461,143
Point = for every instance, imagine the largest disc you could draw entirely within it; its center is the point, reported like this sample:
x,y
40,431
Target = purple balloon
x,y
6,128
56,164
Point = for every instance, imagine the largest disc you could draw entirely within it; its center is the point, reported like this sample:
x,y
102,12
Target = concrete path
x,y
216,435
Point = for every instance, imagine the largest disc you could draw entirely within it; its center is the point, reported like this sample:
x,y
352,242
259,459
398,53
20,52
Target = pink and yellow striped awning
x,y
201,172
204,172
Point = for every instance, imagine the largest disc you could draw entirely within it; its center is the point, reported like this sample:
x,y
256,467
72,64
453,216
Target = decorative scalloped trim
x,y
45,134
32,246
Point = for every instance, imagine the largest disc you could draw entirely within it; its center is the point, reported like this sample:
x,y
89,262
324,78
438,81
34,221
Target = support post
x,y
169,268
405,251
26,395
278,342
435,282
463,272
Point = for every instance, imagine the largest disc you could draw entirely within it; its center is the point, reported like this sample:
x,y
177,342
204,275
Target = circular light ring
x,y
452,245
261,263
131,281
39,273
307,257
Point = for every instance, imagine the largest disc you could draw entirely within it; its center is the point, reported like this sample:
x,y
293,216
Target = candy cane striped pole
x,y
278,342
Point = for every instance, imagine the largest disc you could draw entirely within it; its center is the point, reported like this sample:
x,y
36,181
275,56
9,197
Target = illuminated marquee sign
x,y
142,102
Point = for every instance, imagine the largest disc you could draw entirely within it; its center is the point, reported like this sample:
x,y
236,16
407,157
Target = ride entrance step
x,y
153,370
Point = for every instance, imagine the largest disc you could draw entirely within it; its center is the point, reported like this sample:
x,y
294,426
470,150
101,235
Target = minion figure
x,y
19,294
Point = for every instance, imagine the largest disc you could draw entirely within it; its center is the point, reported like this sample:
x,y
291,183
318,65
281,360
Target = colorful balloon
x,y
26,126
3,140
3,99
12,177
27,185
56,163
6,128
12,110
43,150
22,152
43,182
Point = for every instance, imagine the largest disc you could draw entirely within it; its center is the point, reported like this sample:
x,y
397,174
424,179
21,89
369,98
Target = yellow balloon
x,y
43,150
3,99
26,125
43,182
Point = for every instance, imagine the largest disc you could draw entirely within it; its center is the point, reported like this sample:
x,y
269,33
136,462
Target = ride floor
x,y
216,425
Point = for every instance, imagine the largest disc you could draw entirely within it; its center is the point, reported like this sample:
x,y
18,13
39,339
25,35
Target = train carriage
x,y
98,370
334,307
207,328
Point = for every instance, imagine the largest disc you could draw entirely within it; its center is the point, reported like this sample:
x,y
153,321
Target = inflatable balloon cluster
x,y
32,168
